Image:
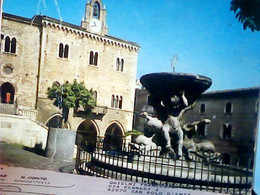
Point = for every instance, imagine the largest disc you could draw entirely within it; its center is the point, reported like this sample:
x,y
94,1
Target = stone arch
x,y
96,10
113,137
54,121
87,133
7,92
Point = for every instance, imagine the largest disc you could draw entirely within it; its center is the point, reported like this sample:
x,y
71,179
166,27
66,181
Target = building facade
x,y
233,127
39,51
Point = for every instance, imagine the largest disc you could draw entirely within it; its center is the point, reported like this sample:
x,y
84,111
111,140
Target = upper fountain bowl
x,y
168,84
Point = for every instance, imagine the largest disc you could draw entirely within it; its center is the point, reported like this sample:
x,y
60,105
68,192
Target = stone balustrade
x,y
7,108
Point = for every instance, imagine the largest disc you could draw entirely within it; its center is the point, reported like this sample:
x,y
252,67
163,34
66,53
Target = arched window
x,y
96,10
7,92
10,45
66,51
113,101
96,59
7,44
228,108
117,64
116,101
201,129
120,102
91,57
61,50
13,45
227,128
202,108
122,65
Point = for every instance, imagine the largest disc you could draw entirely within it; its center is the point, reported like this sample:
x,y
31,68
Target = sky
x,y
205,36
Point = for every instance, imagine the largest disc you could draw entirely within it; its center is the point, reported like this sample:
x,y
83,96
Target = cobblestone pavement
x,y
20,156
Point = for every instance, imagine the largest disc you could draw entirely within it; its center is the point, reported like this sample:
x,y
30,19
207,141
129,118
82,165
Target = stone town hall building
x,y
39,51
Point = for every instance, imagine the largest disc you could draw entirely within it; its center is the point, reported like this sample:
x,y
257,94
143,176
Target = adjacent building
x,y
233,115
39,51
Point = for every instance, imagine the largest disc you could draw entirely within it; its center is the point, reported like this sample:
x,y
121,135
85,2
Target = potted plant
x,y
61,140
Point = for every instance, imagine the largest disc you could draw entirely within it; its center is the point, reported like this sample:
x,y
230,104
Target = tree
x,y
247,12
71,95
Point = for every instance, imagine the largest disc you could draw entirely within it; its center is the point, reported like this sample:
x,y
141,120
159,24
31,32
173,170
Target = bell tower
x,y
95,18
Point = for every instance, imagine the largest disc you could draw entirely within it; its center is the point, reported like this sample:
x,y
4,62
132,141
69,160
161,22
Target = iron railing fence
x,y
138,164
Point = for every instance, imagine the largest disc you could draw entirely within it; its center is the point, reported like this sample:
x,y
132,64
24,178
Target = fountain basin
x,y
168,84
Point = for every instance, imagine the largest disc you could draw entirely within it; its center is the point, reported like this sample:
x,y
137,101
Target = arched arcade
x,y
113,137
87,133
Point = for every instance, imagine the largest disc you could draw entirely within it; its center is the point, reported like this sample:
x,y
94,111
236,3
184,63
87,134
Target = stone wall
x,y
102,78
24,61
240,146
243,120
37,65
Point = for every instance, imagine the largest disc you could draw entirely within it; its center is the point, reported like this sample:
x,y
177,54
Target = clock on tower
x,y
95,25
95,18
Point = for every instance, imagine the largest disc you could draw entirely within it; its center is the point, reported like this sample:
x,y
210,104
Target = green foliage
x,y
247,12
133,132
72,95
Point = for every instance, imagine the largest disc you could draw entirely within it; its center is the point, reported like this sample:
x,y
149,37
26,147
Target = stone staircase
x,y
22,130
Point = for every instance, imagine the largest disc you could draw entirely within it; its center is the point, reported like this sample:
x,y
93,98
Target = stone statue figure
x,y
172,124
171,95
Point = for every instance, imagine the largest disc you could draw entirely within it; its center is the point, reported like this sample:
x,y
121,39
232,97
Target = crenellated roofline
x,y
46,21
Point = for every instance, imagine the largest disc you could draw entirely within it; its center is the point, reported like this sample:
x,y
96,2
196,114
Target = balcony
x,y
98,111
14,109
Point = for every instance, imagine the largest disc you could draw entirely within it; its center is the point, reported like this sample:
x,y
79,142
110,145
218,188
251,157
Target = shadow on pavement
x,y
37,149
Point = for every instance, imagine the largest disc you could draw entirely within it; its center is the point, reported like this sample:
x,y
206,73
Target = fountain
x,y
161,161
171,94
